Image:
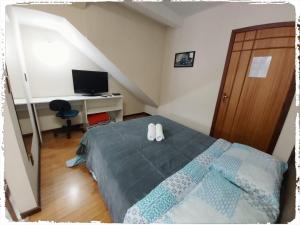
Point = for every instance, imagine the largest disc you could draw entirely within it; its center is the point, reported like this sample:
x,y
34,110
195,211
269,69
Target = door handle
x,y
224,97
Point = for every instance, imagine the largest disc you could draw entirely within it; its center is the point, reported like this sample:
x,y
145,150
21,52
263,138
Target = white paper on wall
x,y
260,66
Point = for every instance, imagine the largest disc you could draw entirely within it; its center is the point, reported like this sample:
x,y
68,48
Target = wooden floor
x,y
67,194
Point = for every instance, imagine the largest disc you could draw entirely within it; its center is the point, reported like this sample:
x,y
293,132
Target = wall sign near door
x,y
260,66
184,59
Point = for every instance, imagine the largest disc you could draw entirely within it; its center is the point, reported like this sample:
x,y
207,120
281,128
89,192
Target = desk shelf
x,y
113,106
104,109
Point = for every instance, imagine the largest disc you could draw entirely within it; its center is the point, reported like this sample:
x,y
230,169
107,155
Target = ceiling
x,y
170,13
186,9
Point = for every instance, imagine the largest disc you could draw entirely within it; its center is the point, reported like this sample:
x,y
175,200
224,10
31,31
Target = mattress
x,y
128,166
228,183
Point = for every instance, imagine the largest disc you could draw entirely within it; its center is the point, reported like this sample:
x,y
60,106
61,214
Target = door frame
x,y
291,91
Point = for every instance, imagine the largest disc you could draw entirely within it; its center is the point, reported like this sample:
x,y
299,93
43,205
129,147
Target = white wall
x,y
133,42
286,140
189,95
50,60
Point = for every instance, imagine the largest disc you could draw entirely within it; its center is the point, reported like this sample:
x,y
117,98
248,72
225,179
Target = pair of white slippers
x,y
155,132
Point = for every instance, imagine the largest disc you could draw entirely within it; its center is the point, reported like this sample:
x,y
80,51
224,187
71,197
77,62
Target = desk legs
x,y
37,122
84,115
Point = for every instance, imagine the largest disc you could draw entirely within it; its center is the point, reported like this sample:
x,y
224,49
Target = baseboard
x,y
137,114
30,212
141,114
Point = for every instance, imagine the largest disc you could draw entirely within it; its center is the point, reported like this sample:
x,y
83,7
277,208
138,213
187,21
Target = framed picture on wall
x,y
184,59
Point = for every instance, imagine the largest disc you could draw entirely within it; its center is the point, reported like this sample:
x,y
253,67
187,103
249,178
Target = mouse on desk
x,y
115,94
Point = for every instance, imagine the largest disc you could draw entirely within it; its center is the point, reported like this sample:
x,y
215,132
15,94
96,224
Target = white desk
x,y
89,105
22,101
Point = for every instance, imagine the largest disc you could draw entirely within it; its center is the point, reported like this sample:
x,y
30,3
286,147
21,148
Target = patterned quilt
x,y
172,190
199,193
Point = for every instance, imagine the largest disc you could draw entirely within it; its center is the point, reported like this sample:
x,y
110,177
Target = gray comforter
x,y
128,166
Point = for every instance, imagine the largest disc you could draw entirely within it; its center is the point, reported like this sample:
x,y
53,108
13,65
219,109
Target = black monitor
x,y
90,82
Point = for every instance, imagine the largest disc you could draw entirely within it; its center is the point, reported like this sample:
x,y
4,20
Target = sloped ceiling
x,y
59,24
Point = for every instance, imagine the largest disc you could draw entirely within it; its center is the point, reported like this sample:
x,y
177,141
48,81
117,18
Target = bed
x,y
187,178
228,183
127,166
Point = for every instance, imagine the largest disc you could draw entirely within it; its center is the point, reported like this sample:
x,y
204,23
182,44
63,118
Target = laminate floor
x,y
67,194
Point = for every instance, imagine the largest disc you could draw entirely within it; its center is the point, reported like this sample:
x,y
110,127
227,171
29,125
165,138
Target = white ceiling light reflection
x,y
51,53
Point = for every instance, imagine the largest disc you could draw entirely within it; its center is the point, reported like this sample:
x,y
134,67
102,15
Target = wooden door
x,y
258,86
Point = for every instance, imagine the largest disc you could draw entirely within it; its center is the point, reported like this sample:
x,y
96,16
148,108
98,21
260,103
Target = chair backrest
x,y
60,105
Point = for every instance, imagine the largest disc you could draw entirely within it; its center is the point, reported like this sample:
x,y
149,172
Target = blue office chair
x,y
65,112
